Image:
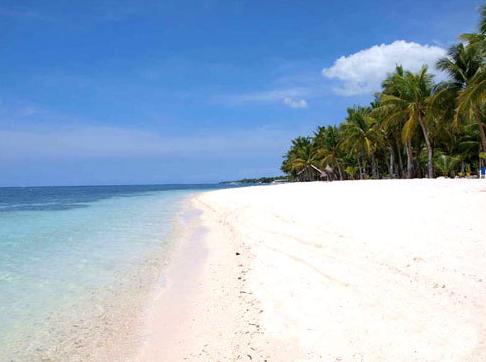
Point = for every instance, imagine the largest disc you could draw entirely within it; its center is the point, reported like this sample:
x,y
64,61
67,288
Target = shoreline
x,y
374,270
179,275
203,312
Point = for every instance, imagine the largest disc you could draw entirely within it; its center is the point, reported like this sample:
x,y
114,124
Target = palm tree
x,y
471,102
461,64
395,120
464,65
391,139
411,102
361,137
301,155
478,40
327,147
467,147
446,164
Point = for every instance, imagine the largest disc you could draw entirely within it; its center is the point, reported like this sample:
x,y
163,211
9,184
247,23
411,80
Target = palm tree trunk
x,y
400,160
360,168
373,166
392,162
483,136
482,133
339,171
430,161
409,159
430,166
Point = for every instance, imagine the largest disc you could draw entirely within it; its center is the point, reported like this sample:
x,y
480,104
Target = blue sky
x,y
124,92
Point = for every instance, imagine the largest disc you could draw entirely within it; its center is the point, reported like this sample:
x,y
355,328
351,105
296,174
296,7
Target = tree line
x,y
414,127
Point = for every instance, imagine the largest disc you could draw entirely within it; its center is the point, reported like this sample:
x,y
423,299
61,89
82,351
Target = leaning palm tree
x,y
411,102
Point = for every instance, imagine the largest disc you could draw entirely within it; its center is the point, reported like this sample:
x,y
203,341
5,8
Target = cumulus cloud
x,y
295,103
363,72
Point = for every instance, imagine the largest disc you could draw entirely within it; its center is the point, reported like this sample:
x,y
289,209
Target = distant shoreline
x,y
257,181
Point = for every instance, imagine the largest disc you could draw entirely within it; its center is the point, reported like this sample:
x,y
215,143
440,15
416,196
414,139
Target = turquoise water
x,y
66,252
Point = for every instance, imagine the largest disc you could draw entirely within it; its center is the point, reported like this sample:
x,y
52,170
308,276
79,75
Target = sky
x,y
180,91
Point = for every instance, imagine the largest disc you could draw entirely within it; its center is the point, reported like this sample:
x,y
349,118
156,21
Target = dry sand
x,y
344,271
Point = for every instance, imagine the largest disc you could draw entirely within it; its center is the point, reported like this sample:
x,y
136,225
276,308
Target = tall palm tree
x,y
390,134
465,66
471,100
411,102
393,119
471,103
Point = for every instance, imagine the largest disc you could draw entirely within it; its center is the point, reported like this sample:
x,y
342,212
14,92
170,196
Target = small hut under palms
x,y
313,173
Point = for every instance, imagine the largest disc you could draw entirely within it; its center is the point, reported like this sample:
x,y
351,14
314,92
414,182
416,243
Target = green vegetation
x,y
413,128
261,180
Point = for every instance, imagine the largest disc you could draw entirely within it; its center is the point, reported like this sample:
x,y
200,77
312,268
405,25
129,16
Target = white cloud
x,y
295,103
363,72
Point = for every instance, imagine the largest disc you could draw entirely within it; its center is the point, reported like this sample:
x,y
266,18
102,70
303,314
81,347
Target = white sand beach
x,y
343,271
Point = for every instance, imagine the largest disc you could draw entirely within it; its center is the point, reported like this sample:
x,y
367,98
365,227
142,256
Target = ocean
x,y
76,264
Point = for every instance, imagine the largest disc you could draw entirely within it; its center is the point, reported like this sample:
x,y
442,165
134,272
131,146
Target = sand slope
x,y
343,271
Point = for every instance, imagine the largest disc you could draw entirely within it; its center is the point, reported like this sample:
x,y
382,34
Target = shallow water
x,y
75,262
